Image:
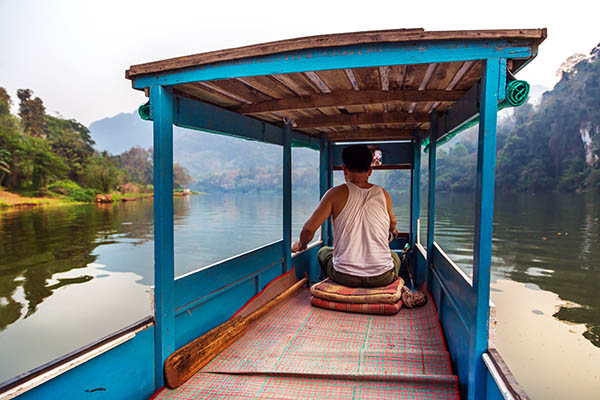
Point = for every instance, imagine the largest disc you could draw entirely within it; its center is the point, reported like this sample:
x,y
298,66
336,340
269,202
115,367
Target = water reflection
x,y
549,240
37,244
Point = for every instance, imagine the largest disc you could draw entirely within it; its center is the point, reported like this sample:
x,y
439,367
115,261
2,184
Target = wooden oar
x,y
185,362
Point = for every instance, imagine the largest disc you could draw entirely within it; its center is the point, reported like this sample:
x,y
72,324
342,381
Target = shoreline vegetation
x,y
48,160
10,200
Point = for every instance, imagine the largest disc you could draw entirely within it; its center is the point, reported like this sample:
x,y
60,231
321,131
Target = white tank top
x,y
360,233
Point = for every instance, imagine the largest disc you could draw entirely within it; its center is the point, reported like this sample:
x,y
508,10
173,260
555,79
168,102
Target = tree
x,y
101,173
5,102
71,141
137,165
180,176
45,164
11,142
32,112
4,164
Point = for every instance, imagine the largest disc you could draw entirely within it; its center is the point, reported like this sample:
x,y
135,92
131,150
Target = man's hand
x,y
298,246
395,233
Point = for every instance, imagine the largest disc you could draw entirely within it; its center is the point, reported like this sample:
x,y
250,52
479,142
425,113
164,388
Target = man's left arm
x,y
388,201
318,217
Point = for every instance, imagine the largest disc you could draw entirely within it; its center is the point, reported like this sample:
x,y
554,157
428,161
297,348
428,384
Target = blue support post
x,y
329,186
484,217
415,192
287,197
193,114
161,100
431,196
323,180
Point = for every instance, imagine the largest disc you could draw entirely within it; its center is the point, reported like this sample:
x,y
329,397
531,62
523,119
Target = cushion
x,y
364,308
332,291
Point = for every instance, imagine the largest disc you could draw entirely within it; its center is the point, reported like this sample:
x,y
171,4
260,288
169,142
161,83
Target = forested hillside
x,y
215,162
552,146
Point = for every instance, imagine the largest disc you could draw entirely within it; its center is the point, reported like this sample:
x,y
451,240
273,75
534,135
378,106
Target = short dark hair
x,y
357,158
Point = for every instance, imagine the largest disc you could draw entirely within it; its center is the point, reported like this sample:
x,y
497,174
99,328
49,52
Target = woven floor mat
x,y
223,386
299,351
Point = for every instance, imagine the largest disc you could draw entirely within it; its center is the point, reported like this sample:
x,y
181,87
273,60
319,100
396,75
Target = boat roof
x,y
384,102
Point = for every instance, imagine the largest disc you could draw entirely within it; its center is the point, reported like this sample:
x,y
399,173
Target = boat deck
x,y
301,352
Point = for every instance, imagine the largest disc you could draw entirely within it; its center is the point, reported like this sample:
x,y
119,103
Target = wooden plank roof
x,y
375,103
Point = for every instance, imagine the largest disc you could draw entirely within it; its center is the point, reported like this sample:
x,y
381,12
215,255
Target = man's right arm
x,y
321,213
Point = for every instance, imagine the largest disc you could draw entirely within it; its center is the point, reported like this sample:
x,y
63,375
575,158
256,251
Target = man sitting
x,y
362,219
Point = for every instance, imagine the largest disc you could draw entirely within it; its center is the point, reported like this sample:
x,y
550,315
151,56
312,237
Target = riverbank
x,y
9,200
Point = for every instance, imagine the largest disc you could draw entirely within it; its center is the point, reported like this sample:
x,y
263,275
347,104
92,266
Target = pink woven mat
x,y
225,386
299,352
330,286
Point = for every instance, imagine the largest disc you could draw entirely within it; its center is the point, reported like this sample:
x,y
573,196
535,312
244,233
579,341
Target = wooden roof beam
x,y
362,119
358,135
349,98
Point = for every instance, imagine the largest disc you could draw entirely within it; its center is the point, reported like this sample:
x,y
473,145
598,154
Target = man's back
x,y
362,218
360,230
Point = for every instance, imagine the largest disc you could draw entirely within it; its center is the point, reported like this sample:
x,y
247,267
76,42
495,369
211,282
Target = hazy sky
x,y
74,54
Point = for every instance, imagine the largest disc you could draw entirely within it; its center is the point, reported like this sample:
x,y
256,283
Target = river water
x,y
70,275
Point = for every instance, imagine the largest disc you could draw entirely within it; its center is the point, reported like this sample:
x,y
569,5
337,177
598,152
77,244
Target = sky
x,y
73,54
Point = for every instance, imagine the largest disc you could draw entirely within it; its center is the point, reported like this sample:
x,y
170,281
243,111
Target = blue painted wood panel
x,y
420,267
355,56
455,301
193,114
329,241
307,263
453,316
287,197
161,101
492,391
398,244
194,288
484,215
457,339
462,112
435,130
393,153
455,282
198,320
125,372
415,192
324,182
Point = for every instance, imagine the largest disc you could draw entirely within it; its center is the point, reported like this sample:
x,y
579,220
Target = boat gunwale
x,y
25,377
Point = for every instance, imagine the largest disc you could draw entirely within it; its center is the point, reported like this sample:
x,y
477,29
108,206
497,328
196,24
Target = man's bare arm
x,y
321,213
388,201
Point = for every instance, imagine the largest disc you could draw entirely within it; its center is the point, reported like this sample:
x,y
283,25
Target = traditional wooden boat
x,y
393,89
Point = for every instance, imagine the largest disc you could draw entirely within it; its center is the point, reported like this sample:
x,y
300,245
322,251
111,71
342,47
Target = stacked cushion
x,y
380,300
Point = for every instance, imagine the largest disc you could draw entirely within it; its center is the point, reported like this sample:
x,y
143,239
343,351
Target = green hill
x,y
553,145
